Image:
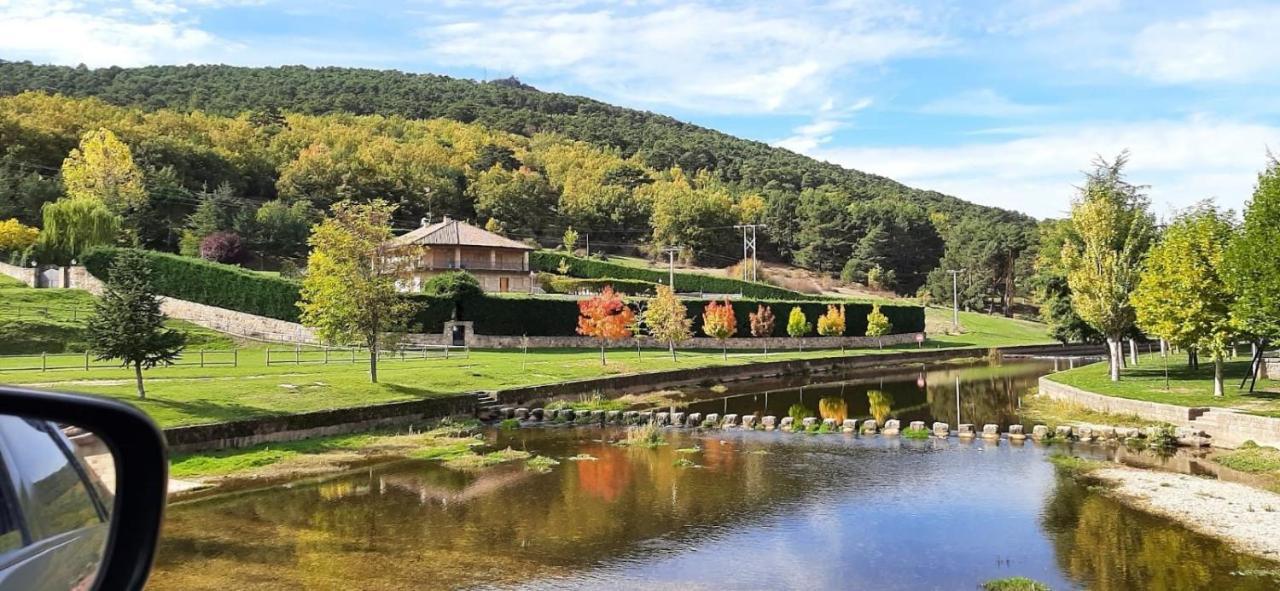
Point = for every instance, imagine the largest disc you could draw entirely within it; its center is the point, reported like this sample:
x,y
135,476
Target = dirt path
x,y
1243,516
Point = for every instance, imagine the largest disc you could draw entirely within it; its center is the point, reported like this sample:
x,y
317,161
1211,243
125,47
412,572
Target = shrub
x,y
16,237
685,282
223,247
571,285
453,285
1014,584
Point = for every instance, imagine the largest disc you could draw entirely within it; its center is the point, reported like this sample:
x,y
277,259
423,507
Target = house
x,y
501,264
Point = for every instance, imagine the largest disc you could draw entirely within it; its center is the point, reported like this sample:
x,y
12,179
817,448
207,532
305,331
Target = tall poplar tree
x,y
1253,260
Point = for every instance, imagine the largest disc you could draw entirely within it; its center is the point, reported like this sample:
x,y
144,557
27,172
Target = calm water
x,y
762,511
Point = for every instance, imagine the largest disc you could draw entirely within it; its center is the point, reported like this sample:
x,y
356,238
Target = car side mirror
x,y
83,485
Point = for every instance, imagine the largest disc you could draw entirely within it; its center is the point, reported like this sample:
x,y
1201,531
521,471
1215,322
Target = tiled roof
x,y
455,233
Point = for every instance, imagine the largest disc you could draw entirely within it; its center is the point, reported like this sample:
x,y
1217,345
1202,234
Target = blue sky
x,y
1001,103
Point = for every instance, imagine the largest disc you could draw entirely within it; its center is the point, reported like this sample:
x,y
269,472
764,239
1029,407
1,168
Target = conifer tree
x,y
127,323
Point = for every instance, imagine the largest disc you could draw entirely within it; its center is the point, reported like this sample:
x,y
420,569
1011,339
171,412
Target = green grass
x,y
983,330
1252,459
7,281
1146,381
1047,411
224,462
1075,466
1014,584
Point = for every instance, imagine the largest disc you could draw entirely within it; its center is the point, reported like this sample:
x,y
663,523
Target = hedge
x,y
213,284
549,261
570,285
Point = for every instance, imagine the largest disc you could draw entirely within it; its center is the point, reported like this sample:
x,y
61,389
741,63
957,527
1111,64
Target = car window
x,y
59,499
10,533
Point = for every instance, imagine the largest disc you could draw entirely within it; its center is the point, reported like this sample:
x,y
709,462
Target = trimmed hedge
x,y
549,261
569,285
213,284
431,312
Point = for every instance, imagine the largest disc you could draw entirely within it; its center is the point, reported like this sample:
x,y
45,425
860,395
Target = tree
x,y
349,292
877,323
16,237
280,229
520,198
1252,267
127,323
1050,285
719,323
605,317
697,215
762,323
224,247
1111,218
73,226
1181,295
570,239
832,323
667,319
990,248
218,211
797,324
102,168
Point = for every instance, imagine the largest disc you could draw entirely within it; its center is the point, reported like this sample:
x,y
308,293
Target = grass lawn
x,y
1146,381
984,330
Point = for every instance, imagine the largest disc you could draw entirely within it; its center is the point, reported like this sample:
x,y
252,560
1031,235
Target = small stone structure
x,y
748,421
769,422
1016,434
786,423
729,420
941,429
891,427
965,430
990,431
850,426
869,427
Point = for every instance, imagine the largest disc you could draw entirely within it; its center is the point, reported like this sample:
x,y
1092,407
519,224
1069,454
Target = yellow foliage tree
x,y
16,237
102,168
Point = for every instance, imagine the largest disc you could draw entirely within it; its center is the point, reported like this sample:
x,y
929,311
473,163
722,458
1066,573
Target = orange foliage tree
x,y
605,317
719,323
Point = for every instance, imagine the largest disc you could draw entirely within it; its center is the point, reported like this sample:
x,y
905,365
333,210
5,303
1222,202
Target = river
x,y
759,510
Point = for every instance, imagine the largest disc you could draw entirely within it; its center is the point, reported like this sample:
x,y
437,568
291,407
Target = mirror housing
x,y
141,480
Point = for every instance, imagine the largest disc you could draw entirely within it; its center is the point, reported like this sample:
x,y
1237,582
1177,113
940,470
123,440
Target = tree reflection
x,y
833,408
1106,546
881,404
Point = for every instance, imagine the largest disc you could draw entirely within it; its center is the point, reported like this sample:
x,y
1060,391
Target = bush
x,y
569,285
223,247
208,283
550,262
1014,584
453,285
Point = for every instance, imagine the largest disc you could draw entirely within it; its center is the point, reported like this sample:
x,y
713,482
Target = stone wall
x,y
480,341
238,323
1154,411
24,274
244,433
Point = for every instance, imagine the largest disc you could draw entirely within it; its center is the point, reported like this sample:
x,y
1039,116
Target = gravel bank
x,y
1245,517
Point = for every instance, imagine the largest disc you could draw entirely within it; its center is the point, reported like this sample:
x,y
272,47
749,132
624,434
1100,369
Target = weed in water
x,y
684,463
509,424
476,461
689,450
582,458
1014,584
541,464
1074,466
910,433
647,435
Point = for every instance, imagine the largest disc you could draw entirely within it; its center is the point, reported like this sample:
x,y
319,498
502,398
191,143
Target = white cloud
x,y
982,102
1184,161
1228,45
701,57
822,127
68,32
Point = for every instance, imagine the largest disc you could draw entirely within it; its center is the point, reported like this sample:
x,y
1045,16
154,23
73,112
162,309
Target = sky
x,y
1000,103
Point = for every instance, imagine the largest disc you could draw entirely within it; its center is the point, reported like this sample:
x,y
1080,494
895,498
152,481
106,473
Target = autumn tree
x,y
605,317
667,319
1114,229
127,323
349,292
1181,294
878,324
102,168
719,323
797,324
570,239
1253,260
832,324
15,236
762,322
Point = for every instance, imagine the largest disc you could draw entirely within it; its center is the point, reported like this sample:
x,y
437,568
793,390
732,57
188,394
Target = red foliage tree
x,y
223,247
605,317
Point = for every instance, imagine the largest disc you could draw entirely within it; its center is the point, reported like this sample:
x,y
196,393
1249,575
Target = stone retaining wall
x,y
26,275
238,323
1154,411
340,421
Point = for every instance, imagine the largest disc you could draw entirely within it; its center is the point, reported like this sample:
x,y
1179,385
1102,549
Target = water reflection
x,y
764,510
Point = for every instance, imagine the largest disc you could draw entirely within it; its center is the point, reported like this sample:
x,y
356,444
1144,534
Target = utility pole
x,y
588,235
749,245
671,265
955,299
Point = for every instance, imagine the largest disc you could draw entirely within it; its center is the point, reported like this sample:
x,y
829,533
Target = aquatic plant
x,y
684,463
1074,466
689,450
541,464
474,461
646,435
582,458
920,433
1163,437
509,424
1014,584
798,413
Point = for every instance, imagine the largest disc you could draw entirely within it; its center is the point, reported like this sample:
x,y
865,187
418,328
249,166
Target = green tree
x,y
520,198
1253,260
349,293
877,323
280,229
667,319
570,239
1051,290
1181,295
102,168
73,226
797,324
127,323
698,216
1111,218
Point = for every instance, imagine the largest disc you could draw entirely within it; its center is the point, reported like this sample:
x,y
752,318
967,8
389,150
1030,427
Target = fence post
x,y
268,354
44,364
202,357
326,354
86,360
235,357
297,354
446,350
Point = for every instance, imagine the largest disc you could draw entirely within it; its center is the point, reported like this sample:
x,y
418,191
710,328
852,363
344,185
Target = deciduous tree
x,y
127,323
16,237
349,293
102,168
605,317
1181,295
73,226
797,324
667,319
719,323
832,323
1253,260
762,322
1115,229
878,324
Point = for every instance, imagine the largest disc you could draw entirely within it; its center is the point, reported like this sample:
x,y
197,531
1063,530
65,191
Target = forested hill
x,y
508,105
639,180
